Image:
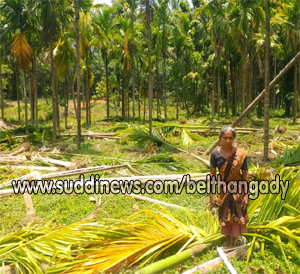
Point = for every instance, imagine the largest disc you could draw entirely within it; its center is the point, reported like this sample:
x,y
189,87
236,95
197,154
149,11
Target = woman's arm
x,y
212,198
245,175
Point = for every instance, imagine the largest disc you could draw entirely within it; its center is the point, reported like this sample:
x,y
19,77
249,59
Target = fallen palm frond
x,y
168,161
44,243
159,136
188,137
290,157
274,219
142,238
283,143
151,235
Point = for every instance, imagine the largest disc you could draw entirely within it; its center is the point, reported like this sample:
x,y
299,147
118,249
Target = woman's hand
x,y
245,202
213,200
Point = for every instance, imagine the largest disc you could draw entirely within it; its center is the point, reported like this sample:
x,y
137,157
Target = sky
x,y
107,2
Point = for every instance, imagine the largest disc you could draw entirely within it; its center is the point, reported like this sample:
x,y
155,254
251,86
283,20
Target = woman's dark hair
x,y
226,128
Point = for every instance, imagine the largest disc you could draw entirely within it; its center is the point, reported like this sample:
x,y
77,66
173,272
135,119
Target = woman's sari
x,y
232,216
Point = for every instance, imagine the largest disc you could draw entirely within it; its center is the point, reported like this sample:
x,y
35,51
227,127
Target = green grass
x,y
66,209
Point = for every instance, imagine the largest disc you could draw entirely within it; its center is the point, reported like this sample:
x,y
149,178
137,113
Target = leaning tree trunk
x,y
258,98
150,72
267,84
78,74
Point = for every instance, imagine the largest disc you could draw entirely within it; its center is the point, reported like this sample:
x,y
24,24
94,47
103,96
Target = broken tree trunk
x,y
72,172
258,98
146,199
24,147
212,264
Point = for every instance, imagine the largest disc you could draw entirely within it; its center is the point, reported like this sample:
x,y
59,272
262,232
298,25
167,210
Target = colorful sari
x,y
232,217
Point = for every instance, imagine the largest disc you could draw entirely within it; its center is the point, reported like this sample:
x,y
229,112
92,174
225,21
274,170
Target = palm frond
x,y
142,238
188,137
46,243
141,137
21,49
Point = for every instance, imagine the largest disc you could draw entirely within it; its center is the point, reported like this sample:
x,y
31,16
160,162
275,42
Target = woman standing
x,y
232,165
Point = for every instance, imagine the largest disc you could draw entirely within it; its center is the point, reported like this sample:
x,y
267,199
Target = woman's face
x,y
227,139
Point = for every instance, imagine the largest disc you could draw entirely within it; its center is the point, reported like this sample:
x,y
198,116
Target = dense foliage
x,y
205,59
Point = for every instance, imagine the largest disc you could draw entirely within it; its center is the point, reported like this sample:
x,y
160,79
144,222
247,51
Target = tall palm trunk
x,y
107,90
53,94
31,97
228,89
78,74
157,87
213,94
186,86
144,121
87,93
218,92
18,95
267,84
123,99
133,93
66,99
150,72
1,93
56,98
295,105
35,93
73,95
140,91
25,98
164,89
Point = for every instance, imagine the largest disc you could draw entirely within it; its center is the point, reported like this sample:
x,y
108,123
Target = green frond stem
x,y
162,265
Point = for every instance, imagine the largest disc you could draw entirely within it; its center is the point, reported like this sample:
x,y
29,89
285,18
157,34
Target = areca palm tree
x,y
244,18
18,25
218,30
162,32
64,57
104,26
288,16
